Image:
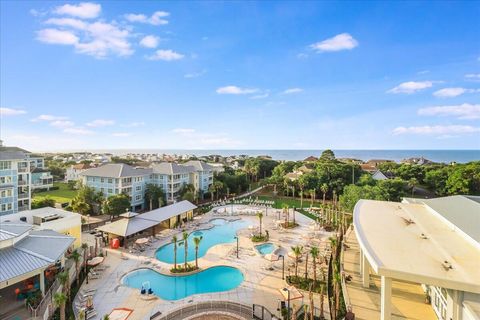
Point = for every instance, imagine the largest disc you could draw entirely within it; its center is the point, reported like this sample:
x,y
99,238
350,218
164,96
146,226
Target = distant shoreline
x,y
445,156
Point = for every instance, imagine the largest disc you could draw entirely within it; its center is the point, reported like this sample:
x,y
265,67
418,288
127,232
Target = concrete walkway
x,y
408,299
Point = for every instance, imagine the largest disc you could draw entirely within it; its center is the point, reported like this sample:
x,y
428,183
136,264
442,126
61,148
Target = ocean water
x,y
445,156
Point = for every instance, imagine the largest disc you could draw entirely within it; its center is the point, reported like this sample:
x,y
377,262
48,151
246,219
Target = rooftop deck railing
x,y
235,308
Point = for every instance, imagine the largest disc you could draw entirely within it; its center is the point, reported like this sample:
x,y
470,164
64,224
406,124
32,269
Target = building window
x,y
138,197
110,180
7,179
110,190
102,180
5,165
138,188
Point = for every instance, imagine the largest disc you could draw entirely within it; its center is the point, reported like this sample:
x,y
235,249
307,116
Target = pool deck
x,y
261,286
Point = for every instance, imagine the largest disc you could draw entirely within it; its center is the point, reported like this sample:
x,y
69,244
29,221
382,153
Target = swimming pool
x,y
265,248
215,279
223,231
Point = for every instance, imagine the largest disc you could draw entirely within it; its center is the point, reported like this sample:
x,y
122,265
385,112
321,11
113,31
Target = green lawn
x,y
62,195
291,202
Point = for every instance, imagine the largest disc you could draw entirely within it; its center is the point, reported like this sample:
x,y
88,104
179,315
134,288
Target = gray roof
x,y
199,165
12,153
167,212
10,230
37,250
116,170
172,168
128,226
461,211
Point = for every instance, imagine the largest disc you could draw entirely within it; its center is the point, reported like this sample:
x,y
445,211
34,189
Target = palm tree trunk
x,y
62,311
196,257
314,272
306,266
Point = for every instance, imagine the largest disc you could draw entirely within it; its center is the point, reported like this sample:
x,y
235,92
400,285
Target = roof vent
x,y
24,219
447,265
423,236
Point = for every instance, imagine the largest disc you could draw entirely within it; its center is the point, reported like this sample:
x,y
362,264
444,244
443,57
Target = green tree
x,y
260,218
80,206
327,155
154,196
75,256
412,183
116,204
59,300
324,189
314,252
89,196
196,242
174,241
297,251
43,202
185,244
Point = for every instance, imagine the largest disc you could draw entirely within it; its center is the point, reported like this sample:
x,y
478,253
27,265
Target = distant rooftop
x,y
116,170
172,168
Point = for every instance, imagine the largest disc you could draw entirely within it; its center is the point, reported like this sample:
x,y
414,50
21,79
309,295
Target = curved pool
x,y
223,231
214,279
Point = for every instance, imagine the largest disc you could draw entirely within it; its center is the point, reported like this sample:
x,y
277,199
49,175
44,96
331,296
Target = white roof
x,y
462,211
409,242
168,212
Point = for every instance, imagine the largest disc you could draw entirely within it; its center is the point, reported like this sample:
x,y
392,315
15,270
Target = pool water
x,y
222,232
215,279
265,248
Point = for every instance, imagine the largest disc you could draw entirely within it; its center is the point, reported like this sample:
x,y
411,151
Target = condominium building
x,y
72,173
117,178
432,242
20,173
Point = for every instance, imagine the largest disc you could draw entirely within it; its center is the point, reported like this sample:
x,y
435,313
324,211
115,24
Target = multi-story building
x,y
73,172
16,167
117,178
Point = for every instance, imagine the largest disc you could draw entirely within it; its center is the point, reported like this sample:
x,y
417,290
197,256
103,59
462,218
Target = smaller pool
x,y
265,248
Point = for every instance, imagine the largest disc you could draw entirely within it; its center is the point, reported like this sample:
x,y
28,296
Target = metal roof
x,y
199,165
128,226
410,242
171,168
13,153
116,170
37,250
168,212
462,211
10,230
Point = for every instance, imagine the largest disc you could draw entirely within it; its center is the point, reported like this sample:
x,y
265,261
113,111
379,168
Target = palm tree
x,y
81,314
260,218
85,247
285,210
60,299
324,189
80,207
297,251
197,241
337,280
312,196
322,296
64,279
106,317
76,257
306,266
185,243
314,253
411,184
301,185
174,241
312,307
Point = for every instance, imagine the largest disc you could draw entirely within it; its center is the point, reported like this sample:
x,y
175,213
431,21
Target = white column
x,y
365,272
42,282
386,299
457,298
361,260
62,261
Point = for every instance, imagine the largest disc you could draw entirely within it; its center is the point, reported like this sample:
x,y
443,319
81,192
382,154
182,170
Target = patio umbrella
x,y
271,257
95,261
294,293
141,241
119,314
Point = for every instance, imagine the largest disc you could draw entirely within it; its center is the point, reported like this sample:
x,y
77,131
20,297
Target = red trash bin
x,y
115,243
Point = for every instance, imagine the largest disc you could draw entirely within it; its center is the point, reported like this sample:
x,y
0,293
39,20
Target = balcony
x,y
23,208
22,182
22,170
23,195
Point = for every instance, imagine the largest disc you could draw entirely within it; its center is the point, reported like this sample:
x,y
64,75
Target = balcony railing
x,y
22,182
23,169
23,208
23,195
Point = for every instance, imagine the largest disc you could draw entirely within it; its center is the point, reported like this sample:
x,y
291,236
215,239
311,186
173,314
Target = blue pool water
x,y
222,232
215,279
265,248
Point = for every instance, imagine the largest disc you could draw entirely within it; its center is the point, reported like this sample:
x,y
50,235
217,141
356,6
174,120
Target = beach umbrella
x,y
141,241
95,261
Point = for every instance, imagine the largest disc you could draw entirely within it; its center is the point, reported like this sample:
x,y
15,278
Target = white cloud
x,y
183,130
166,55
62,123
195,74
449,92
150,41
292,91
437,130
463,111
100,123
134,124
235,90
11,112
473,76
84,10
343,41
78,131
121,134
260,96
55,36
68,22
411,87
156,19
48,117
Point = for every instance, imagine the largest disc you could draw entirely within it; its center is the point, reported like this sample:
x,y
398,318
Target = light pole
x,y
236,237
288,302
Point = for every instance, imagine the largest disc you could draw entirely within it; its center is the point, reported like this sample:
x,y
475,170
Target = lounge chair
x,y
91,314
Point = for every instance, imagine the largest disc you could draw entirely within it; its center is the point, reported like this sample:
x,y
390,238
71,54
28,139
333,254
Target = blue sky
x,y
240,75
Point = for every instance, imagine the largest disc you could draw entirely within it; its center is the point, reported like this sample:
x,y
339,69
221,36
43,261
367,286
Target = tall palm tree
x,y
81,314
174,241
324,189
314,253
76,257
306,266
312,307
337,280
322,296
59,300
260,218
64,279
197,241
185,243
301,185
412,183
285,210
297,251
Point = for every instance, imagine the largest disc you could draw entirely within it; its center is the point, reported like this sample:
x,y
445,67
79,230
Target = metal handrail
x,y
209,306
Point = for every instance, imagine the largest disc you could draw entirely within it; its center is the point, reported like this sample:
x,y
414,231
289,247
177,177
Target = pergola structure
x,y
412,242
